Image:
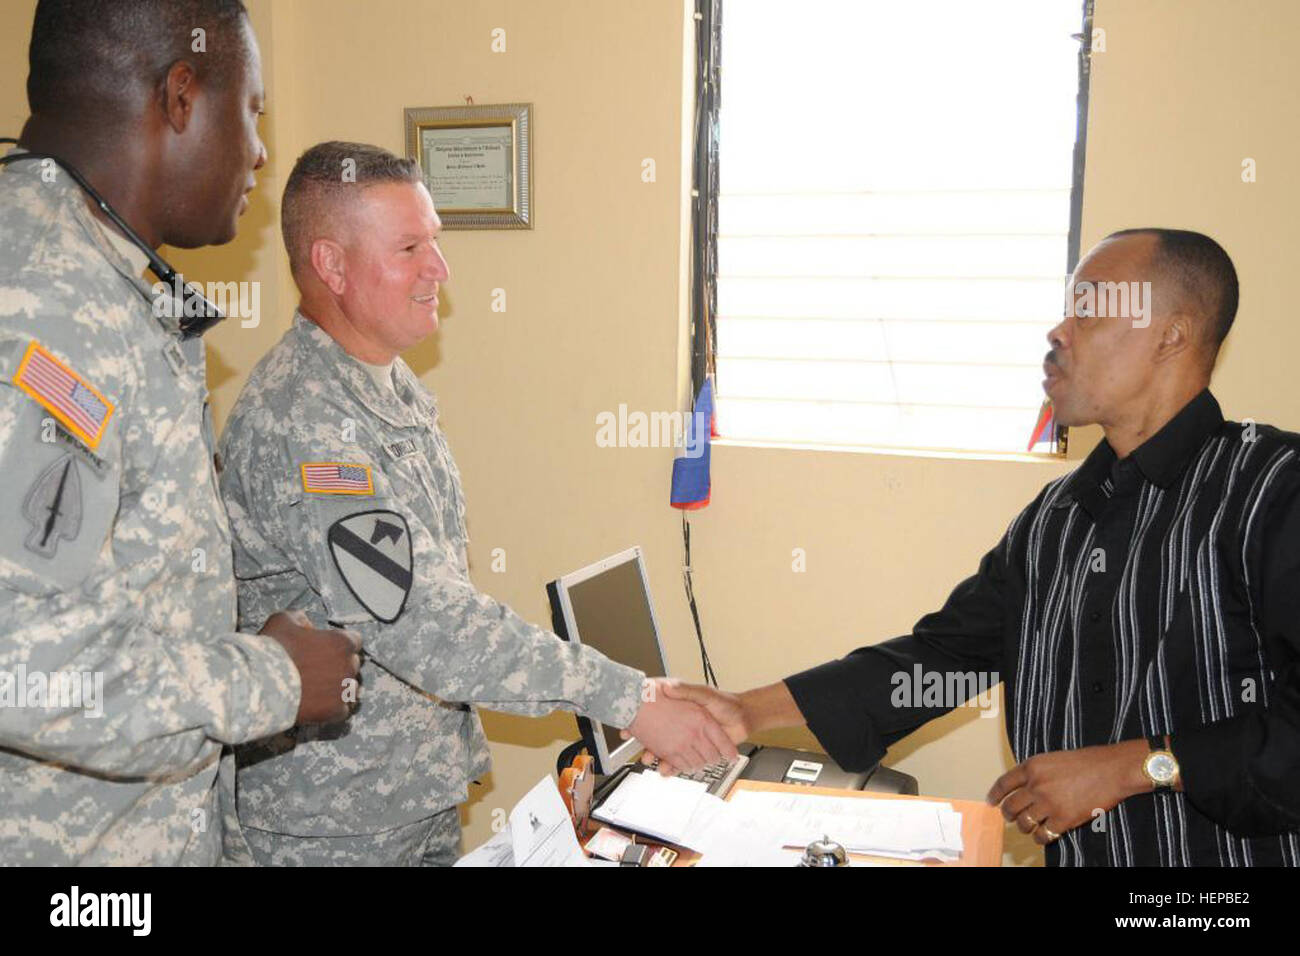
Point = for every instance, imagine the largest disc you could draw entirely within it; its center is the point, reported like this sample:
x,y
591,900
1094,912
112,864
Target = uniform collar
x,y
407,406
1161,459
127,250
120,253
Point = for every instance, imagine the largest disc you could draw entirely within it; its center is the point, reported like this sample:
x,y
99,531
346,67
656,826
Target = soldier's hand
x,y
726,708
324,658
681,733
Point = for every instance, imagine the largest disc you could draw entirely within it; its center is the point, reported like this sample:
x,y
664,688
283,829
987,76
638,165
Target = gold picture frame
x,y
476,162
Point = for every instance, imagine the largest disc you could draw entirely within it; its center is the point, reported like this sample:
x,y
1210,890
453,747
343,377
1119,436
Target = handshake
x,y
685,727
689,726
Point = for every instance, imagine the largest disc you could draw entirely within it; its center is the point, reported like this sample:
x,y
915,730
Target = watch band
x,y
1157,742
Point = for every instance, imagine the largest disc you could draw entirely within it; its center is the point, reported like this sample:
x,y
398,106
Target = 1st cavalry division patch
x,y
337,478
77,404
372,551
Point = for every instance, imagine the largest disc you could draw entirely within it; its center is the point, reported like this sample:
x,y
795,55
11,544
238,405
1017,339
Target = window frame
x,y
708,19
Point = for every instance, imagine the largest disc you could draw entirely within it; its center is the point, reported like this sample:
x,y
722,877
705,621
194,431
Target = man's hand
x,y
679,732
324,658
1054,792
727,709
739,715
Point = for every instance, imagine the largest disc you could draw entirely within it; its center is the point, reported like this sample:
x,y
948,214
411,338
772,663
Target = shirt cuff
x,y
611,692
1216,764
834,714
267,702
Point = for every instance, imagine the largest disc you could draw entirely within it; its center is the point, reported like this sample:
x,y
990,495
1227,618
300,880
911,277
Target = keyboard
x,y
718,776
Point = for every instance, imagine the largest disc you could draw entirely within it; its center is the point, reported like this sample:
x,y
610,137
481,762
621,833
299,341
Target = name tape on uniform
x,y
79,406
337,478
401,448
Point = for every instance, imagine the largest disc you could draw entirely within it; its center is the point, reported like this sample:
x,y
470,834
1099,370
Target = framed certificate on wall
x,y
477,163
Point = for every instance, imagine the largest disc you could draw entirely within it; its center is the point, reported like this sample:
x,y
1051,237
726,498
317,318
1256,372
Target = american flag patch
x,y
337,478
77,404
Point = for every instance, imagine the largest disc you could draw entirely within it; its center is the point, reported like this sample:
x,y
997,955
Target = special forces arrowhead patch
x,y
53,506
372,551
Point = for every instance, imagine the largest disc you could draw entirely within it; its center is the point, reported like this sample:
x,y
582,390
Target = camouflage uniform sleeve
x,y
446,637
145,703
455,642
459,644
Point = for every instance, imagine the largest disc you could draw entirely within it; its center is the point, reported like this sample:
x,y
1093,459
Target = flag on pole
x,y
1045,430
691,484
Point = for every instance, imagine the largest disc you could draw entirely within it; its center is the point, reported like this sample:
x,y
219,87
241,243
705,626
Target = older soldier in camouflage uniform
x,y
345,502
116,588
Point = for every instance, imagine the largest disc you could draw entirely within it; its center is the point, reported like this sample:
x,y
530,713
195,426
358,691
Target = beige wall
x,y
16,17
1183,92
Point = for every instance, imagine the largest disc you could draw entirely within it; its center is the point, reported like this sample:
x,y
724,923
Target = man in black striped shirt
x,y
1143,612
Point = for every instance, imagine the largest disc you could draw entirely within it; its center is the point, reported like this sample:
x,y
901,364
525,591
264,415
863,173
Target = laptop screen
x,y
607,606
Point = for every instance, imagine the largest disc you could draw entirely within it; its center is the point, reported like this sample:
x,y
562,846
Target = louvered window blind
x,y
894,218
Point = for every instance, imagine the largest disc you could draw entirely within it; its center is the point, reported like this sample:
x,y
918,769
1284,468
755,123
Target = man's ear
x,y
180,87
1177,337
329,263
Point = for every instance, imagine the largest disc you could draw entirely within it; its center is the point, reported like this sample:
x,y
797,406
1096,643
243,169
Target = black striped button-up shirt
x,y
1150,595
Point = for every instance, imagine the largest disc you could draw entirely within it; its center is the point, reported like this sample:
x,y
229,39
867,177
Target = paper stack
x,y
684,813
761,828
902,829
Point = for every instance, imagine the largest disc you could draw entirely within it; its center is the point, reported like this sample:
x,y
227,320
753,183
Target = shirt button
x,y
1097,687
1095,616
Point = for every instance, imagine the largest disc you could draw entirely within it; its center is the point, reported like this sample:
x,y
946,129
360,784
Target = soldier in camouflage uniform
x,y
345,502
115,570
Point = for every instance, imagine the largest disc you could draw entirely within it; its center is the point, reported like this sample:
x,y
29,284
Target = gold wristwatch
x,y
1161,766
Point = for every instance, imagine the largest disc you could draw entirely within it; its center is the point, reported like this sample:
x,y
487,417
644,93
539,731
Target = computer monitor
x,y
607,606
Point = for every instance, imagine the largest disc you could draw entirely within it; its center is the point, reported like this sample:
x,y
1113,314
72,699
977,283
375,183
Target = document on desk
x,y
650,803
725,835
684,813
496,852
761,828
902,829
539,833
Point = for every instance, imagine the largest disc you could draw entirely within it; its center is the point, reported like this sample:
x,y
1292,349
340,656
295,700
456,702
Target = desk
x,y
981,824
981,827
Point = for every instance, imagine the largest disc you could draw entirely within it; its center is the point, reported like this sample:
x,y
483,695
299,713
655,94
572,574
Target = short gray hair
x,y
326,173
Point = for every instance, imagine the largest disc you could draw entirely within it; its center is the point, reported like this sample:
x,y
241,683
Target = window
x,y
894,217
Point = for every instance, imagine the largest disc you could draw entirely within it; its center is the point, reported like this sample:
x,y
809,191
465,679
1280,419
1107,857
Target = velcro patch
x,y
337,478
372,552
79,406
53,506
401,448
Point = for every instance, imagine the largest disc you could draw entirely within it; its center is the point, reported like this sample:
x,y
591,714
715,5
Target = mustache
x,y
1051,359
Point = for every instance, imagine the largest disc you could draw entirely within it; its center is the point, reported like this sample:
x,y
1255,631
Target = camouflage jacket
x,y
121,674
345,503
